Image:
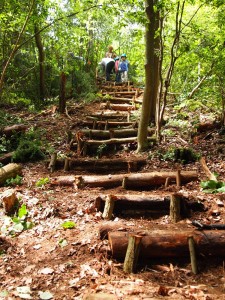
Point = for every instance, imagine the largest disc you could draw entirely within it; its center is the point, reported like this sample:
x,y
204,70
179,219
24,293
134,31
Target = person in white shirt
x,y
107,64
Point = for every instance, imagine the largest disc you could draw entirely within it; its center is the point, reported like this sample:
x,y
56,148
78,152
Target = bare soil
x,y
58,263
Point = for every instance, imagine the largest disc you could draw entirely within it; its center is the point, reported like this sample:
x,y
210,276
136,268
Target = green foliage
x,y
7,119
29,148
103,147
42,182
18,223
68,225
182,155
14,181
4,144
212,186
28,151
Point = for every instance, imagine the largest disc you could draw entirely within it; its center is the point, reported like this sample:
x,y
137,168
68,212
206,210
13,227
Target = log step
x,y
165,244
102,165
135,181
126,204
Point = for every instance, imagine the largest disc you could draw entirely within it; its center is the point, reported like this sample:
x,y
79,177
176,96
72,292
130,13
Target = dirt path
x,y
50,262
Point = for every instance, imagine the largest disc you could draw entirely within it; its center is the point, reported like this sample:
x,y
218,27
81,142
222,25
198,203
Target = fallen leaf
x,y
45,295
47,271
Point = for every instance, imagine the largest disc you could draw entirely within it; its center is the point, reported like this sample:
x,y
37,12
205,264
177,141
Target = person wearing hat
x,y
123,68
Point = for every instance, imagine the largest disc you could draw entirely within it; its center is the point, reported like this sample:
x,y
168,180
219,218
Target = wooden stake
x,y
178,178
167,182
52,162
94,124
66,164
175,208
191,244
132,254
124,182
109,206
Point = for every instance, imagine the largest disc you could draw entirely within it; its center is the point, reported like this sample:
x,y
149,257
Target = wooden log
x,y
104,165
10,130
116,141
108,114
63,180
100,165
164,244
118,107
124,93
125,100
9,171
109,226
118,88
158,178
110,124
149,202
6,158
106,181
139,180
100,296
107,134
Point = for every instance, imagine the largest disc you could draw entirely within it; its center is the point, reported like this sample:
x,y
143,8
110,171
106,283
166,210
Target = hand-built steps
x,y
105,130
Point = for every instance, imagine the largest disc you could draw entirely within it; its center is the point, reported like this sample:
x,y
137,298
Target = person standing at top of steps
x,y
107,64
110,52
123,68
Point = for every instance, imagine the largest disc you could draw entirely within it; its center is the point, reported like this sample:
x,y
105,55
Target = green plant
x,y
212,186
14,181
183,155
101,149
17,223
42,181
4,144
68,225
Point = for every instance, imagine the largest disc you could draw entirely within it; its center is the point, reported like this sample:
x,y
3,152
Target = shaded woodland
x,y
112,190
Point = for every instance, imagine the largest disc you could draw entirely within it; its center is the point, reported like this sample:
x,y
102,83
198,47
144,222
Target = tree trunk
x,y
165,244
146,110
15,47
62,95
41,59
156,69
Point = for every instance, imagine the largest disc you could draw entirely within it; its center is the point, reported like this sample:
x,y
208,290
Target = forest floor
x,y
50,262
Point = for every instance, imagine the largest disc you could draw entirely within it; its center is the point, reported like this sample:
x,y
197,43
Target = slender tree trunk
x,y
62,95
15,48
149,77
174,48
41,59
156,68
